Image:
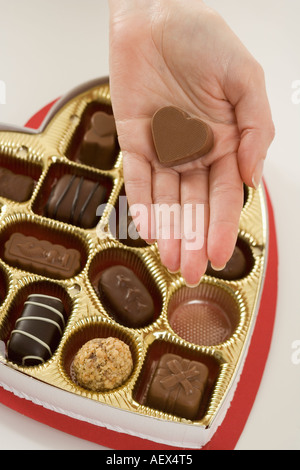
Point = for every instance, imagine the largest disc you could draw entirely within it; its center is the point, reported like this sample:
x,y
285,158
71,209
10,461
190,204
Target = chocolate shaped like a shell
x,y
37,331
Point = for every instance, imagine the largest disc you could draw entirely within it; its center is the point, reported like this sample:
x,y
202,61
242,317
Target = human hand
x,y
169,52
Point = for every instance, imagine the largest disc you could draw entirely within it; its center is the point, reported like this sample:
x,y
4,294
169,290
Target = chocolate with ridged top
x,y
177,386
74,200
125,297
179,138
37,331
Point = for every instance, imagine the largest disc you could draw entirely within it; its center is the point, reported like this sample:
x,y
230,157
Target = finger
x,y
195,217
166,197
137,179
226,202
255,123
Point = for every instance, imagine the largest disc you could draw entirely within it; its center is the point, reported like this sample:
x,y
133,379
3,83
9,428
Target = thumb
x,y
255,124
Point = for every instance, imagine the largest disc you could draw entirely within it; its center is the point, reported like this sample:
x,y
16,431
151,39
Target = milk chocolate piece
x,y
37,331
177,386
99,145
126,297
74,200
236,267
15,187
179,138
41,256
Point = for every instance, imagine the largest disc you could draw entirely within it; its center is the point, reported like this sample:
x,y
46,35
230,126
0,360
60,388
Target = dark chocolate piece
x,y
235,268
15,187
37,331
177,386
74,200
126,297
99,145
179,138
41,256
127,233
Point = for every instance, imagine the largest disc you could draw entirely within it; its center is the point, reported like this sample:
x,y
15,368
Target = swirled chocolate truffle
x,y
102,364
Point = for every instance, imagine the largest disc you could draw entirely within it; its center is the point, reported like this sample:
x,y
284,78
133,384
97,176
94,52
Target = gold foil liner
x,y
207,315
230,307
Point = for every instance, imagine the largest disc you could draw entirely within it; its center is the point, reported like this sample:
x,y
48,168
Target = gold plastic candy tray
x,y
49,153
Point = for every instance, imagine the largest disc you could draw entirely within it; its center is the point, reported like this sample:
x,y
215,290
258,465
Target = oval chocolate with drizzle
x,y
37,331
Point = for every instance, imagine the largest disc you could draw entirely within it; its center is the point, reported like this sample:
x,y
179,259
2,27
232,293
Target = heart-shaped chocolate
x,y
179,138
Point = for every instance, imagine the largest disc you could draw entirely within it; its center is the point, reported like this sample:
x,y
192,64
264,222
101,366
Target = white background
x,y
48,47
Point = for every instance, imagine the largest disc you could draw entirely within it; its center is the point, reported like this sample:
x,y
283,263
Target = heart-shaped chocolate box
x,y
220,313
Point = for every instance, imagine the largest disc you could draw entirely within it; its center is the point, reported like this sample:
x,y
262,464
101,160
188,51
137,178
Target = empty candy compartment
x,y
206,315
132,291
73,195
18,177
155,352
35,321
103,157
90,329
42,249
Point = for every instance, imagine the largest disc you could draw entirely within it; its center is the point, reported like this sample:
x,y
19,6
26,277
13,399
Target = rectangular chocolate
x,y
41,256
177,386
74,200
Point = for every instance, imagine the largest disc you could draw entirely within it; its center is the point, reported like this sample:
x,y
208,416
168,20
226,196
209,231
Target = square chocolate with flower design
x,y
177,386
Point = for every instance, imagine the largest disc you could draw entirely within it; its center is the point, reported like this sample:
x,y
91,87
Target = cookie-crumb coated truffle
x,y
102,364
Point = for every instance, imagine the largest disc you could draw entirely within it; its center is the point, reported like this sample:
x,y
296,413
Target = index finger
x,y
226,202
138,179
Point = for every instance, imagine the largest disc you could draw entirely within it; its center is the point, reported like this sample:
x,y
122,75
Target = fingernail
x,y
215,268
173,272
257,175
192,286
